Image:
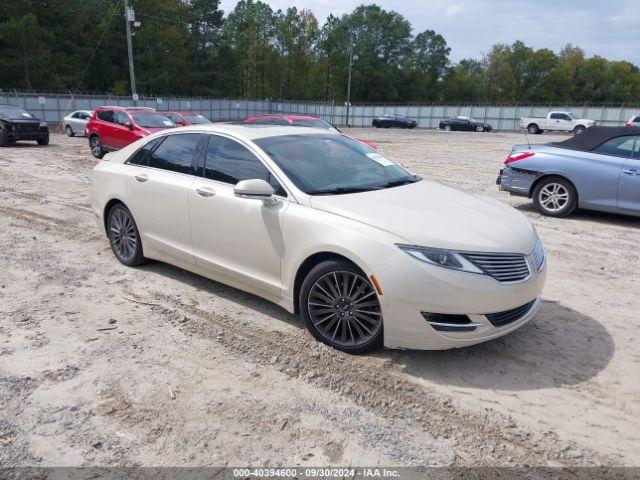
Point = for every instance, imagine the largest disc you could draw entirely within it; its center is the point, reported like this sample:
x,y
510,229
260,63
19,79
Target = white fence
x,y
53,106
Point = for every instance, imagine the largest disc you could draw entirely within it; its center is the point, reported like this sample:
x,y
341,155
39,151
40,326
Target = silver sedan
x,y
76,122
598,170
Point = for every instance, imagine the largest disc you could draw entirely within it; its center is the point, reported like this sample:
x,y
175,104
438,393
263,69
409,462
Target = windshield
x,y
152,120
313,122
195,118
326,164
10,111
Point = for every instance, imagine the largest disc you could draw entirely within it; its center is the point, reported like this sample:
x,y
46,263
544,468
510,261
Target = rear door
x,y
106,128
160,186
629,186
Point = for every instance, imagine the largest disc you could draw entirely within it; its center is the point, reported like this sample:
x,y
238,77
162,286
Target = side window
x,y
230,162
636,149
176,153
556,116
619,147
141,157
122,118
106,116
565,117
75,115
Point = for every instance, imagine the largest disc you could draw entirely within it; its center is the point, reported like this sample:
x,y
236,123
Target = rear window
x,y
176,153
106,116
141,157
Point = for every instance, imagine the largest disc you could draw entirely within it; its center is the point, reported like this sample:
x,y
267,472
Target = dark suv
x,y
18,124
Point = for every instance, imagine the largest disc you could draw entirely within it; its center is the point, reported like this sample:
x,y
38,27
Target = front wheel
x,y
4,139
447,128
579,129
340,307
96,147
43,141
479,128
555,197
124,237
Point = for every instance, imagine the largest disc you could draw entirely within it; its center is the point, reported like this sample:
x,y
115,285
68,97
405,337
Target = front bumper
x,y
411,287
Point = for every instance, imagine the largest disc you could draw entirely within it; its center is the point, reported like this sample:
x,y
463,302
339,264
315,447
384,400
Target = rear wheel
x,y
447,128
555,197
69,131
533,129
341,308
479,128
96,147
123,236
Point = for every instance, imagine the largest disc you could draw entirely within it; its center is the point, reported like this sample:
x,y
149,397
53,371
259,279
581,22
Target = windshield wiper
x,y
342,190
398,183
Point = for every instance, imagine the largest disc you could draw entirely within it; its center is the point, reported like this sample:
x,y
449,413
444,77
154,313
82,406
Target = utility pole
x,y
349,81
128,17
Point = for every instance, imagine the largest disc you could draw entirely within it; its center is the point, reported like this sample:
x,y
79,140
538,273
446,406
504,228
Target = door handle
x,y
142,178
205,192
633,172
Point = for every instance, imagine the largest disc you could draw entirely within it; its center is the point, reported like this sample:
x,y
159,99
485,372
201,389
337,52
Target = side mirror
x,y
180,123
129,125
255,189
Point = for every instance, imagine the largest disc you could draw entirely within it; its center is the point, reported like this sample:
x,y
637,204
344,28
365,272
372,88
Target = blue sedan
x,y
597,170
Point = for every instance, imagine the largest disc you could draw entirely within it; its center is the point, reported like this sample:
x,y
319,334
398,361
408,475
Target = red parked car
x,y
112,128
300,121
186,118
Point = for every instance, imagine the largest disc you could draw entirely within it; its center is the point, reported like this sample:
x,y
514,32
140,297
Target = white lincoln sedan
x,y
323,225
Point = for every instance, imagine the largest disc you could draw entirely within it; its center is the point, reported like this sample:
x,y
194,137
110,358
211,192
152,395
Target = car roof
x,y
595,136
128,109
285,116
253,132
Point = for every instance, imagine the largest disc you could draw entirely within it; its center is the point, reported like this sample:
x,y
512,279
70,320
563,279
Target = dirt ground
x,y
101,364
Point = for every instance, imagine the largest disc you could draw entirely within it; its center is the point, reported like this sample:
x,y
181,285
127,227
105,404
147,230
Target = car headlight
x,y
43,125
440,257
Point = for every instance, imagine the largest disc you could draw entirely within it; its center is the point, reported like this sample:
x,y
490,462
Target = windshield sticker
x,y
381,159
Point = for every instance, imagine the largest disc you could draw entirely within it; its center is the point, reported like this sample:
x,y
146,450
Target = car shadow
x,y
590,215
559,347
247,300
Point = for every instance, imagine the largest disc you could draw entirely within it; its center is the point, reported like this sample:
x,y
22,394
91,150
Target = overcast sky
x,y
610,28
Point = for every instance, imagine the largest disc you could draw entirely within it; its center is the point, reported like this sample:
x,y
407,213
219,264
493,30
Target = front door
x,y
238,238
629,186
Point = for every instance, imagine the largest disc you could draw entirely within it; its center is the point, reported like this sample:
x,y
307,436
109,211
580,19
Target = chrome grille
x,y
504,267
538,256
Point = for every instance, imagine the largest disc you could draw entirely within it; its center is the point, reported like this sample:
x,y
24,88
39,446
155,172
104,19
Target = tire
x,y
447,128
4,139
69,131
533,129
43,141
479,128
336,288
123,235
555,197
95,145
579,129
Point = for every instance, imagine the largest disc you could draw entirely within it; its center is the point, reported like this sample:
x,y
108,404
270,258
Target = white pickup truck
x,y
557,121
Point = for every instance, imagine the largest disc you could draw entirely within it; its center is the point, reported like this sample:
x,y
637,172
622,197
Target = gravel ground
x,y
106,365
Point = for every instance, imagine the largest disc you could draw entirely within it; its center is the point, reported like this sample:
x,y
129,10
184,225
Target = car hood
x,y
433,215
